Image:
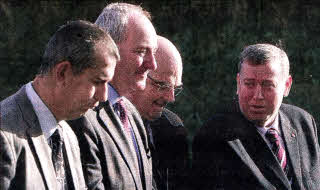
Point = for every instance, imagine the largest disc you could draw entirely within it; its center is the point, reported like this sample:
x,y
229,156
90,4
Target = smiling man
x,y
167,135
113,141
38,150
259,142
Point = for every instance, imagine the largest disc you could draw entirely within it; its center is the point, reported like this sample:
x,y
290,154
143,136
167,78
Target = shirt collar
x,y
48,122
113,95
275,125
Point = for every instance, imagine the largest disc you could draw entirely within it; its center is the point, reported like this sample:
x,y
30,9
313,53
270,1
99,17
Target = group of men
x,y
95,118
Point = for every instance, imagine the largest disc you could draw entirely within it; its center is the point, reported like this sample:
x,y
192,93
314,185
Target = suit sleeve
x,y
90,153
7,162
207,159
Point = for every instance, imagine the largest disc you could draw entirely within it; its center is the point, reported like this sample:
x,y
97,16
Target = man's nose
x,y
169,95
101,94
150,62
258,92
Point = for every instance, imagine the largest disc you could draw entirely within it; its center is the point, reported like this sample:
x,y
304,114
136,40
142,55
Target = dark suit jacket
x,y
108,160
169,150
229,153
25,162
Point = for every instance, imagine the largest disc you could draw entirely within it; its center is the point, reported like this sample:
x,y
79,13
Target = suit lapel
x,y
114,127
42,151
38,143
291,143
261,154
241,151
145,162
73,162
269,163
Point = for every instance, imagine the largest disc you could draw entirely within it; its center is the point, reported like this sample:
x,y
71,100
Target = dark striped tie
x,y
272,136
57,158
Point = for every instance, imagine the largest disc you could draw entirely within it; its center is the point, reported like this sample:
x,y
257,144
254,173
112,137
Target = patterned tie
x,y
272,136
57,158
125,121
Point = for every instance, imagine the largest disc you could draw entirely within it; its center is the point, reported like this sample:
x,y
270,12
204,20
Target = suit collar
x,y
139,131
256,147
71,152
37,141
112,124
48,122
291,143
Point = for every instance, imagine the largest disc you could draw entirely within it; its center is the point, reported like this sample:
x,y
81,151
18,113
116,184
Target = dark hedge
x,y
210,34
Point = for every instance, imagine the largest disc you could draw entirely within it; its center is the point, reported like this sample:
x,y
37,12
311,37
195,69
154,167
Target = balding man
x,y
167,135
259,142
113,139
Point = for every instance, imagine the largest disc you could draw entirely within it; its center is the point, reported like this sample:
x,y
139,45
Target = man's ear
x,y
62,71
287,86
238,83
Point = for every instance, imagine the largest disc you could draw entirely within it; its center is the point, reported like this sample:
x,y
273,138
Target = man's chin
x,y
155,115
77,115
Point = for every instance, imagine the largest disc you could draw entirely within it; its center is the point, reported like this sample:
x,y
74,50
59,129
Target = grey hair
x,y
114,19
76,42
259,54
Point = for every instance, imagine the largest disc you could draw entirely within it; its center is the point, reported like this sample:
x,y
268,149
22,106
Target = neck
x,y
266,124
123,89
46,91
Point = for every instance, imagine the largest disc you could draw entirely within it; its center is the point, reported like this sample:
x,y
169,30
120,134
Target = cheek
x,y
86,92
245,94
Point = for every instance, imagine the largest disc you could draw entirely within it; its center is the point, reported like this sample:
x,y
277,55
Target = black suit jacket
x,y
169,150
229,153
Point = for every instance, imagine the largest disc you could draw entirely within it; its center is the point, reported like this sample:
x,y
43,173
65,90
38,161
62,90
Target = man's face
x,y
261,89
136,54
83,91
158,93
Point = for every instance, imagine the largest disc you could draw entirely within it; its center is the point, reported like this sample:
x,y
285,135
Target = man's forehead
x,y
141,30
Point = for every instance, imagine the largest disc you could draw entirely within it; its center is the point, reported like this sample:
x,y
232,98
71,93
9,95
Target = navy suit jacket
x,y
229,153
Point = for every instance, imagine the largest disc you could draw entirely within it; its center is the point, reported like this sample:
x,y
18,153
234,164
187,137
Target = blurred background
x,y
210,35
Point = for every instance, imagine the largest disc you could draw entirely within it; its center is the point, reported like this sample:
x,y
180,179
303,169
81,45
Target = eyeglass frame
x,y
161,86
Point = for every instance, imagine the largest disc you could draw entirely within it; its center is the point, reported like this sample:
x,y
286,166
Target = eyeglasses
x,y
164,87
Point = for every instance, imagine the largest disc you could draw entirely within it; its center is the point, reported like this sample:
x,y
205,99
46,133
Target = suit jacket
x,y
229,153
25,162
109,161
169,150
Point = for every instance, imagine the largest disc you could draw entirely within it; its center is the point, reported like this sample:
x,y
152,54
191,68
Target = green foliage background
x,y
210,34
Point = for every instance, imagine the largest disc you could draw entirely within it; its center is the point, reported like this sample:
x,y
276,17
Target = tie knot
x,y
57,135
121,107
272,135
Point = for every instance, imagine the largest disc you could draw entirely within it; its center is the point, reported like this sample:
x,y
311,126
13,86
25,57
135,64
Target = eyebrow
x,y
162,83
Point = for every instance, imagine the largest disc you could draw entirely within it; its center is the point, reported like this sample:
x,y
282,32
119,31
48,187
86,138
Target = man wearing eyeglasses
x,y
166,133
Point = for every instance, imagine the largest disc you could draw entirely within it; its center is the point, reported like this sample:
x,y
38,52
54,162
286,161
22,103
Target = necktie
x,y
57,158
273,136
125,121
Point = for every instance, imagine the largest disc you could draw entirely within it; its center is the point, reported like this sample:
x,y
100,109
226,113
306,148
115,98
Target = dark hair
x,y
259,54
76,43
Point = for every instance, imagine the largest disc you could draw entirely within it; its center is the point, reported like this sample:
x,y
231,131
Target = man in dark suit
x,y
259,142
113,141
167,135
38,150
